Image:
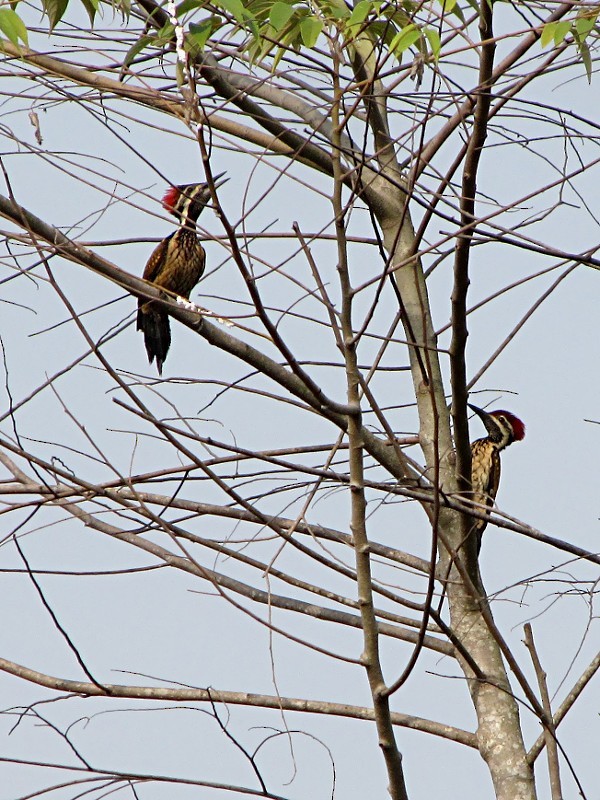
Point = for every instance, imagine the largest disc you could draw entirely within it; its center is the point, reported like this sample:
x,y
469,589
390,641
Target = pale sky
x,y
164,627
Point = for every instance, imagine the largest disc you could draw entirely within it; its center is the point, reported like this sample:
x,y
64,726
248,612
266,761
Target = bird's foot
x,y
190,306
187,304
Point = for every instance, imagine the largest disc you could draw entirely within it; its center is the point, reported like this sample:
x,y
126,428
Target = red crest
x,y
170,198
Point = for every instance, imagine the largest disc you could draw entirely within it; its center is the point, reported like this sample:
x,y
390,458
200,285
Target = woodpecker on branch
x,y
176,265
503,429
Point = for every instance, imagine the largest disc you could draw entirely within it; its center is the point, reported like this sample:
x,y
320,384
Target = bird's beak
x,y
216,180
487,419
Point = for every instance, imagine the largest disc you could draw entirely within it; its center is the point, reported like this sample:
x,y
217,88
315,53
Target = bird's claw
x,y
190,306
187,304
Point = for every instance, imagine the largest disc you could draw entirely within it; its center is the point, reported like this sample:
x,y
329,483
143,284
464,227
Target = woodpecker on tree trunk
x,y
503,429
176,265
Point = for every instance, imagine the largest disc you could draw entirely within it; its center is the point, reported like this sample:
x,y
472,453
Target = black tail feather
x,y
157,333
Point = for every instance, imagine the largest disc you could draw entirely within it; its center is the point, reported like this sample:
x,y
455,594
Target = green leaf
x,y
562,29
311,28
583,25
334,9
188,5
397,15
280,15
259,9
278,56
91,6
124,6
404,39
458,12
133,51
252,24
339,12
180,74
359,13
259,47
448,5
165,34
547,33
235,8
55,10
435,43
12,26
587,59
382,30
199,33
